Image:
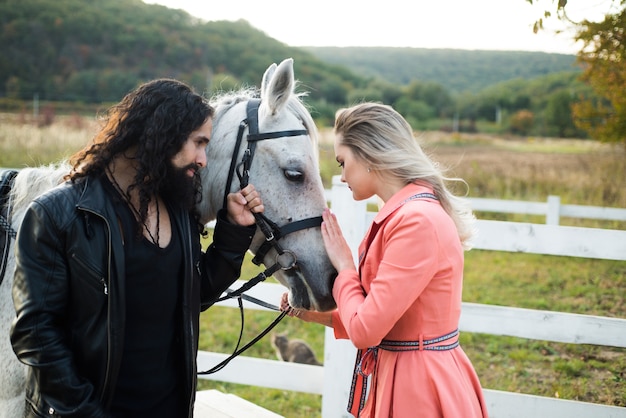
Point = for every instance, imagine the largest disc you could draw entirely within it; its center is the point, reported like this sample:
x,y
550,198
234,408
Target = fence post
x,y
553,212
339,355
351,214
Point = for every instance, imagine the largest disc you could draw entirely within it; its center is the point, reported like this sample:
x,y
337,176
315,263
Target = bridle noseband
x,y
285,259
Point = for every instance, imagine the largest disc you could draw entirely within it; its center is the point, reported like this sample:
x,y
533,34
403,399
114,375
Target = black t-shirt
x,y
150,382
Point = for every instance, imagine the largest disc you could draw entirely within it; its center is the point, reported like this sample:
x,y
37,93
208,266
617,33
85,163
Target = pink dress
x,y
409,291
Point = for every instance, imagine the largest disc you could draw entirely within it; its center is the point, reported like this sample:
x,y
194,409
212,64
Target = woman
x,y
401,307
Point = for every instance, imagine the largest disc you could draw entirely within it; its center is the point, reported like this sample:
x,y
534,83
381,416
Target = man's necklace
x,y
126,197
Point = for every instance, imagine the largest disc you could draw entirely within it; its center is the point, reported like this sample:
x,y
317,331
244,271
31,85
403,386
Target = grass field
x,y
580,172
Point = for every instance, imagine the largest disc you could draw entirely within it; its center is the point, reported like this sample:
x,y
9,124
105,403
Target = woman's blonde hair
x,y
381,138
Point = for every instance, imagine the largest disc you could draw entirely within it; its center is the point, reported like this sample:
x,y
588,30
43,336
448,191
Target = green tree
x,y
390,92
416,112
522,122
603,56
333,90
362,95
558,114
222,83
434,94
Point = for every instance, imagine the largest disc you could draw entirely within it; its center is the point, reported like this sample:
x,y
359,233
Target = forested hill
x,y
95,51
457,70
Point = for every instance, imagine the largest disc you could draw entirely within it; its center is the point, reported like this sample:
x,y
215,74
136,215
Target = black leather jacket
x,y
70,302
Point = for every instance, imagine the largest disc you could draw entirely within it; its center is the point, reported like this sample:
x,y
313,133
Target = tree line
x,y
95,52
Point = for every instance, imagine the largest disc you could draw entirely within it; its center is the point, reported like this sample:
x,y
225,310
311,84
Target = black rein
x,y
7,176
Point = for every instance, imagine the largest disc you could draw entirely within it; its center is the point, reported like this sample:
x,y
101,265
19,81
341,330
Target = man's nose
x,y
201,158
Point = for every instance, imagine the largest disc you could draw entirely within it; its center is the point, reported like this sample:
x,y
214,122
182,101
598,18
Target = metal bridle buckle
x,y
293,260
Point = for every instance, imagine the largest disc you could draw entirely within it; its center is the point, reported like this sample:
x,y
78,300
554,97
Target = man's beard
x,y
179,188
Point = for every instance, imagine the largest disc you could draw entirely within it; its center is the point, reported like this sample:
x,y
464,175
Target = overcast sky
x,y
460,24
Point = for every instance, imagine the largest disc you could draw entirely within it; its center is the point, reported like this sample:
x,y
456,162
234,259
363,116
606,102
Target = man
x,y
110,276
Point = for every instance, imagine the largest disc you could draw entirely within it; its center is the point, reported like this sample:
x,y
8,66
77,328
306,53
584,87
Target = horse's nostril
x,y
289,219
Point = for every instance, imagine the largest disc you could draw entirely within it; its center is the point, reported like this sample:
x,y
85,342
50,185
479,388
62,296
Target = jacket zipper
x,y
101,279
106,290
185,229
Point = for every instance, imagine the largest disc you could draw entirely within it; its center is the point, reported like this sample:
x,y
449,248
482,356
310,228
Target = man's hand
x,y
241,205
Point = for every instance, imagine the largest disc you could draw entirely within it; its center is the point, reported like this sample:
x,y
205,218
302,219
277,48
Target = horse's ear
x,y
267,76
278,86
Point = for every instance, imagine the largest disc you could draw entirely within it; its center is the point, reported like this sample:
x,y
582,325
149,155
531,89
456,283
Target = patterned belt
x,y
366,362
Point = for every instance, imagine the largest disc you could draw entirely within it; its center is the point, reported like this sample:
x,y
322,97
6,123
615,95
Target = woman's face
x,y
354,172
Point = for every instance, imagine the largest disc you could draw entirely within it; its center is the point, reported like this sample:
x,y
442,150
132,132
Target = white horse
x,y
285,170
29,183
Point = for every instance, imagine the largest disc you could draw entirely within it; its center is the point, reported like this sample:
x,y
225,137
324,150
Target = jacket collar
x,y
406,194
400,198
94,197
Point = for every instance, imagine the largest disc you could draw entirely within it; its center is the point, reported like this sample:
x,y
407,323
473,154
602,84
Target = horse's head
x,y
283,166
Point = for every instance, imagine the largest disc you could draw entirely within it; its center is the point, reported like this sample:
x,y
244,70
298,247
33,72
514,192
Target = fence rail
x,y
552,209
332,380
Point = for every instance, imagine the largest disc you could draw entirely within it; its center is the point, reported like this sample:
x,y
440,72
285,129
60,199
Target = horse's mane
x,y
224,101
30,182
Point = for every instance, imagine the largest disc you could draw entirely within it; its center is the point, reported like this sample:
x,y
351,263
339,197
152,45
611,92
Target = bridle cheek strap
x,y
271,230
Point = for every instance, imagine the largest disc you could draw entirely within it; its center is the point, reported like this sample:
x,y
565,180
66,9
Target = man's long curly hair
x,y
156,119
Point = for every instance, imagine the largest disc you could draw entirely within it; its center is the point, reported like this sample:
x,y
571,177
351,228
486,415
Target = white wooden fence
x,y
552,209
332,381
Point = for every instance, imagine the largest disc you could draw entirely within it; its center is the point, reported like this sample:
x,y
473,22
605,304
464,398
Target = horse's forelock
x,y
224,101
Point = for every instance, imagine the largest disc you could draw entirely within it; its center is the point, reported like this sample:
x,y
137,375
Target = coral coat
x,y
409,288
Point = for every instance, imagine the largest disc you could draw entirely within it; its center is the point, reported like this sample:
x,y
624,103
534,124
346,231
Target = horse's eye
x,y
293,175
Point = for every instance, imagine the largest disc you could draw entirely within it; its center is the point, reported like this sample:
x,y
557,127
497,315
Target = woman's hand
x,y
286,307
241,205
324,318
338,250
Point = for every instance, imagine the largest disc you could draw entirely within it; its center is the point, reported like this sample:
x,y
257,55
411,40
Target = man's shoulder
x,y
61,201
65,192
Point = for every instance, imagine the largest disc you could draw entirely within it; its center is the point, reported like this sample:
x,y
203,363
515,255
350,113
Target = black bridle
x,y
7,233
285,259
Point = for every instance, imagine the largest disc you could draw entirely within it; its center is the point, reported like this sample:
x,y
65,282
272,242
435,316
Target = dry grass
x,y
24,142
581,172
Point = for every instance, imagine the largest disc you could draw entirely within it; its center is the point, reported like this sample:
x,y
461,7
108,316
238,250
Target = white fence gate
x,y
332,381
